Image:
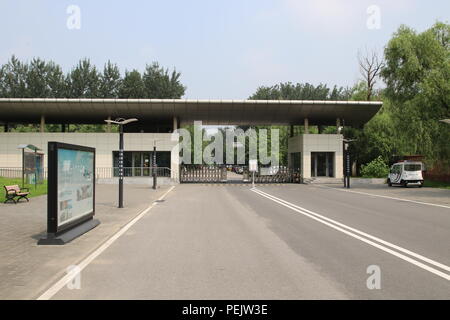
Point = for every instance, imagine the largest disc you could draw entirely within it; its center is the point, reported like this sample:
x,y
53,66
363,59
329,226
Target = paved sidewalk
x,y
26,269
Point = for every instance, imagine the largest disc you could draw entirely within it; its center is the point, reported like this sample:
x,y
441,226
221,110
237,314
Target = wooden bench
x,y
15,191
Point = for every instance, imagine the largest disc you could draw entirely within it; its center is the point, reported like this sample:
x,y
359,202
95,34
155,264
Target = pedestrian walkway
x,y
26,269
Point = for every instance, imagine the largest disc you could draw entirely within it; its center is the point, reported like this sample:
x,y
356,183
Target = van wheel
x,y
404,184
389,183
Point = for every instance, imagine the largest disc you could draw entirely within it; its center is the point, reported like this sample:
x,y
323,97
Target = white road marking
x,y
83,264
382,245
387,197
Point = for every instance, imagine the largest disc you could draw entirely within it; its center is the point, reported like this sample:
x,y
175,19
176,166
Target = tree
x,y
84,80
377,168
132,86
56,81
44,80
370,67
110,81
417,74
299,91
159,84
13,82
36,79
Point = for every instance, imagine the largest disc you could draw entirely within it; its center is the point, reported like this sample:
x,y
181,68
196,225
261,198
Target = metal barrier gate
x,y
281,175
192,173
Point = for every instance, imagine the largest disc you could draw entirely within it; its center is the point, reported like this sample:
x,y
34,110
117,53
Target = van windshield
x,y
413,167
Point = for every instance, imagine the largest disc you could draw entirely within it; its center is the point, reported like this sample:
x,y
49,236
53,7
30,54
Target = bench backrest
x,y
13,188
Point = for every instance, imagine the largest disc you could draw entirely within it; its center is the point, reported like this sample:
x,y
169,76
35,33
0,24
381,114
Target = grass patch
x,y
40,188
437,184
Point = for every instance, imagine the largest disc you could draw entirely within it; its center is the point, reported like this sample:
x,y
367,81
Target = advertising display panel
x,y
71,185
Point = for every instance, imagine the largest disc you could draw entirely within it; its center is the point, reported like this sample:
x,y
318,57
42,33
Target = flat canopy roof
x,y
210,112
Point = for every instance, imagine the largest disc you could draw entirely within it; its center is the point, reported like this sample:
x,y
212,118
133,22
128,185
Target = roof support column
x,y
63,127
292,131
175,124
338,125
42,126
306,125
108,125
6,128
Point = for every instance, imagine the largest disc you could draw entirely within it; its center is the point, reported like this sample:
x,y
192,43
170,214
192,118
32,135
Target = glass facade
x,y
296,161
322,164
138,163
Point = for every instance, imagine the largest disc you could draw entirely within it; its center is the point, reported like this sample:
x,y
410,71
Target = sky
x,y
223,49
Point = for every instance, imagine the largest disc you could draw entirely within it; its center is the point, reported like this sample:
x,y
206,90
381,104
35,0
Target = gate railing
x,y
100,172
268,175
202,173
190,173
113,172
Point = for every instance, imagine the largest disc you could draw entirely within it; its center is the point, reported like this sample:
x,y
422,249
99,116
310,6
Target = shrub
x,y
377,168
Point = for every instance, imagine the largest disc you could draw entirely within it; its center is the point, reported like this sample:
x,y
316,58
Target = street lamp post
x,y
347,166
121,122
154,165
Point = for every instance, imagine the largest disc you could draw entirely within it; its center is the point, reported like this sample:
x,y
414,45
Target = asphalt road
x,y
275,242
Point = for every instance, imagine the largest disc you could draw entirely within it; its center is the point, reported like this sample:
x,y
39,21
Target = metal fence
x,y
202,173
100,172
16,172
112,172
282,175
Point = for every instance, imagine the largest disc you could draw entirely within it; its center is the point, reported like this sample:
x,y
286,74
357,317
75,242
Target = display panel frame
x,y
53,227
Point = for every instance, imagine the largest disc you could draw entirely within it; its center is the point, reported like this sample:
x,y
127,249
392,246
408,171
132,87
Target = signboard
x,y
253,165
32,166
71,186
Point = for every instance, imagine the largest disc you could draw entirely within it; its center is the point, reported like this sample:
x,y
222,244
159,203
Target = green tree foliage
x,y
132,86
110,81
417,94
13,79
417,75
161,84
299,91
84,81
41,79
377,168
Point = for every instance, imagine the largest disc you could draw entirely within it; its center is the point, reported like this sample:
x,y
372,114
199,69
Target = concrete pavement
x,y
228,242
26,269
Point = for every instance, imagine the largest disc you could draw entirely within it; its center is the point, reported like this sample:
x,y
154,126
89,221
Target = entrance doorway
x,y
322,164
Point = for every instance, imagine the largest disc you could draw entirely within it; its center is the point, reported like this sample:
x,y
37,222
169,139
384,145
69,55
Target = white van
x,y
406,173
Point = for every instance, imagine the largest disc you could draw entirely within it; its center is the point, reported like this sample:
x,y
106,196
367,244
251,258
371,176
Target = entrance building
x,y
313,155
317,155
